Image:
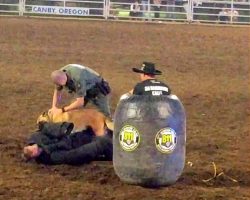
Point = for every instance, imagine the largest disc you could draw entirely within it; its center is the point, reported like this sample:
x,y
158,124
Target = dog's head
x,y
43,118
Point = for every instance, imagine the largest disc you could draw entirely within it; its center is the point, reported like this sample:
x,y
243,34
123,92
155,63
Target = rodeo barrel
x,y
149,140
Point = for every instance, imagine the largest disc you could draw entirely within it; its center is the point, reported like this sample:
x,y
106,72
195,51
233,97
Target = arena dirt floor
x,y
207,67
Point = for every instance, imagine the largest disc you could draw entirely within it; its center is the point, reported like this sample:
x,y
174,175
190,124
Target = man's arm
x,y
56,98
78,103
126,95
57,94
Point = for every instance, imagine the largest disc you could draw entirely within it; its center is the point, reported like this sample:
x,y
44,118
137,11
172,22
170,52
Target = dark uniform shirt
x,y
151,87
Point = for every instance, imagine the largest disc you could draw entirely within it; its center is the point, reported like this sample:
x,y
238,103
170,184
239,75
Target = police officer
x,y
149,85
87,84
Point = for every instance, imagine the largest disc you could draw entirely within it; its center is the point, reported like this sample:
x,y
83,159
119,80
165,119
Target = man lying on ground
x,y
53,144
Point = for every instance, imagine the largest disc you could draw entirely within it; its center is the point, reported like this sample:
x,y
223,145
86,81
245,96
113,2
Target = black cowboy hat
x,y
147,68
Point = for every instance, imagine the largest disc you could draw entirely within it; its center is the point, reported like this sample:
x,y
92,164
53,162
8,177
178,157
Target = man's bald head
x,y
59,77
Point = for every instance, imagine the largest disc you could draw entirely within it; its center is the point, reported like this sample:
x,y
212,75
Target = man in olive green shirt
x,y
87,84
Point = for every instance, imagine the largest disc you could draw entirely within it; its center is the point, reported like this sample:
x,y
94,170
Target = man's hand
x,y
125,96
55,110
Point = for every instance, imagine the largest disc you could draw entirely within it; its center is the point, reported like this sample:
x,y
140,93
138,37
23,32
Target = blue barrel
x,y
149,140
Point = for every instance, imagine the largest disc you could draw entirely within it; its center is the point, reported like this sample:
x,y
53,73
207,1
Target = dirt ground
x,y
207,67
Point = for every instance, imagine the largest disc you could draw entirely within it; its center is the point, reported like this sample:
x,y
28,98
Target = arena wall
x,y
191,11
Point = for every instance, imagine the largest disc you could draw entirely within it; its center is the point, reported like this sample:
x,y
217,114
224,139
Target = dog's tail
x,y
109,123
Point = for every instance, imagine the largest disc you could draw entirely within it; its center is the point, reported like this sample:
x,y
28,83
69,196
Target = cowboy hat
x,y
147,68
